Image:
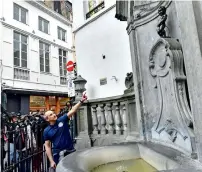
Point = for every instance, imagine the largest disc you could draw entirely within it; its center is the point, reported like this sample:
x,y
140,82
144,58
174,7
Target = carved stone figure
x,y
162,22
129,80
129,83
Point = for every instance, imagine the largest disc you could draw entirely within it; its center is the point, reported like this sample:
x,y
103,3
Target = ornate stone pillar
x,y
79,83
190,40
95,120
138,20
103,119
124,119
118,118
110,118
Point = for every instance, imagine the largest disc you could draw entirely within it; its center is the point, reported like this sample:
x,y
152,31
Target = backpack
x,y
20,140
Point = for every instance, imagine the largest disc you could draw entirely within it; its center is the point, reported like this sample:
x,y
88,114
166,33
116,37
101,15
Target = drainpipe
x,y
1,45
1,70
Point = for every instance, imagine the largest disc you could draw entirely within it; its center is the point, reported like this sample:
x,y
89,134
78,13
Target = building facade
x,y
102,47
36,43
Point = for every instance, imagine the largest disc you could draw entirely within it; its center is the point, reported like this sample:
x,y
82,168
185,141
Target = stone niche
x,y
160,80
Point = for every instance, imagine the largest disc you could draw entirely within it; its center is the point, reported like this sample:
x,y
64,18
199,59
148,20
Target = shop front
x,y
26,101
44,103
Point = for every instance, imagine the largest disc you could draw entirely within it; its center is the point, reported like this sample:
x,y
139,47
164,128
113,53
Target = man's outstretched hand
x,y
53,165
84,97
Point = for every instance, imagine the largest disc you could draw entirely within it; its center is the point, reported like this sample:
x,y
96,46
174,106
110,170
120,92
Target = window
x,y
94,6
20,13
62,66
57,6
44,54
61,34
20,49
62,62
43,25
91,4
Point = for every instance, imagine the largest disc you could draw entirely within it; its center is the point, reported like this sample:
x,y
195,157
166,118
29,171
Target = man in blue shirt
x,y
58,133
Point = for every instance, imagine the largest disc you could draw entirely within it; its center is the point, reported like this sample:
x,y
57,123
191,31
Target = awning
x,y
34,92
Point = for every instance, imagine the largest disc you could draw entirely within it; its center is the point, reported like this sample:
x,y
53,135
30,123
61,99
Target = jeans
x,y
12,153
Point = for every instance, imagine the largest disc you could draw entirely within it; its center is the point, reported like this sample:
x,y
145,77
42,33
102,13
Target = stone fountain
x,y
160,157
157,121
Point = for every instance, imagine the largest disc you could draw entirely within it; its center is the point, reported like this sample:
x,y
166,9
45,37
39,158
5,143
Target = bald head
x,y
50,116
47,113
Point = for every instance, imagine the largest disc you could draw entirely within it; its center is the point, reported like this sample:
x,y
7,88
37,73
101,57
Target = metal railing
x,y
22,144
95,10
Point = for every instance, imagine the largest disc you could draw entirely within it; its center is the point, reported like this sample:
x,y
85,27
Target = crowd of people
x,y
36,142
22,143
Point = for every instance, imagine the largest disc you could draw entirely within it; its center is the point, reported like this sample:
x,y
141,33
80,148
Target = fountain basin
x,y
125,166
158,156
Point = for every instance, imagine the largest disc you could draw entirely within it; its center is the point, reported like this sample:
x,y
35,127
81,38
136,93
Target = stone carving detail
x,y
162,22
129,80
129,83
174,116
144,8
170,128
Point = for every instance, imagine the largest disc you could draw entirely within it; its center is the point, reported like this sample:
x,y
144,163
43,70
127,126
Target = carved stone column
x,y
110,118
103,119
138,20
118,119
191,44
95,120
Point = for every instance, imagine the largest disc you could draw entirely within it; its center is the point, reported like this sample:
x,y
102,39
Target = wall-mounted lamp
x,y
115,78
3,19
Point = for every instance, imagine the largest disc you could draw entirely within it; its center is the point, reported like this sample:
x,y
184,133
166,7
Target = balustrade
x,y
22,74
110,115
108,120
